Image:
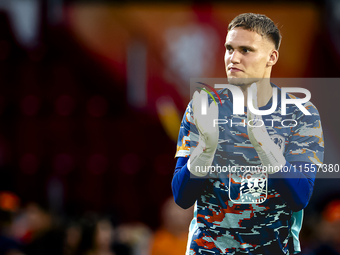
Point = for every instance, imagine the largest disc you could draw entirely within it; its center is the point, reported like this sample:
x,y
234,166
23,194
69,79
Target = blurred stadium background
x,y
91,97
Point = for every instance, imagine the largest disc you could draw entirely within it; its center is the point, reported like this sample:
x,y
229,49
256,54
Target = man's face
x,y
247,56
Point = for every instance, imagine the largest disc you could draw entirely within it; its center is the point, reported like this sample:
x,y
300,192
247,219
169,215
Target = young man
x,y
257,211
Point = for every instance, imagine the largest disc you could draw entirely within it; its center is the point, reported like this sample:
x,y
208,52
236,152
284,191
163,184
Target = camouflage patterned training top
x,y
240,211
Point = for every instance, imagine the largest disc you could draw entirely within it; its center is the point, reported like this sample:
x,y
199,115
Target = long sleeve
x,y
304,149
295,183
185,188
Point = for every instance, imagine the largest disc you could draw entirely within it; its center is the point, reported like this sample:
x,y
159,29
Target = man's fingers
x,y
203,93
196,104
257,119
204,111
195,100
253,89
213,110
195,95
200,103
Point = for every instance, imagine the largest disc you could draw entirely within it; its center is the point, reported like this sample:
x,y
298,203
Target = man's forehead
x,y
240,35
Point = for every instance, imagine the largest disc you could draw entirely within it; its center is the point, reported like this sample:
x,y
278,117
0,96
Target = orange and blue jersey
x,y
235,214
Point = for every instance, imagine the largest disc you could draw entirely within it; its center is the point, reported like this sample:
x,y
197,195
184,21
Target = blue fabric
x,y
295,186
185,188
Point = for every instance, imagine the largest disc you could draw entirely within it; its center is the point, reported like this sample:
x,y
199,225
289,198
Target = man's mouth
x,y
234,69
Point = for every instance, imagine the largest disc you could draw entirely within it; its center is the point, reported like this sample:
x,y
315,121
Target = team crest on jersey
x,y
279,140
251,187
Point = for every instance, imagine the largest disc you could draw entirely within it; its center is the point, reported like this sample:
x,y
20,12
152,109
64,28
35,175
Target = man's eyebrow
x,y
226,45
240,47
247,47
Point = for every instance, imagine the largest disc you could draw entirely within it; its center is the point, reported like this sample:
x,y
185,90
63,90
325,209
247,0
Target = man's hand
x,y
269,153
205,123
203,154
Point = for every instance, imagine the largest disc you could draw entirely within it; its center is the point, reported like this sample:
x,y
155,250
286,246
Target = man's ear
x,y
274,56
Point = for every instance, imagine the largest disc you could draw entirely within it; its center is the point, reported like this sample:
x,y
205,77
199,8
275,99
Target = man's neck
x,y
264,92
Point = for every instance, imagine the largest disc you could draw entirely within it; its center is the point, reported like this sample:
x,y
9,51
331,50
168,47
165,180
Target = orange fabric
x,y
166,243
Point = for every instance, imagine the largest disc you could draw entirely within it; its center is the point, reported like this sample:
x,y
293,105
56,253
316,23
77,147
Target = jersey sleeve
x,y
306,143
186,189
188,134
305,148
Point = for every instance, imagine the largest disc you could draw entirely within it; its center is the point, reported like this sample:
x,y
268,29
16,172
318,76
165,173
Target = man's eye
x,y
229,50
245,50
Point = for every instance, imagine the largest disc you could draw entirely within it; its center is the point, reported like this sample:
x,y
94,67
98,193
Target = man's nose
x,y
235,57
